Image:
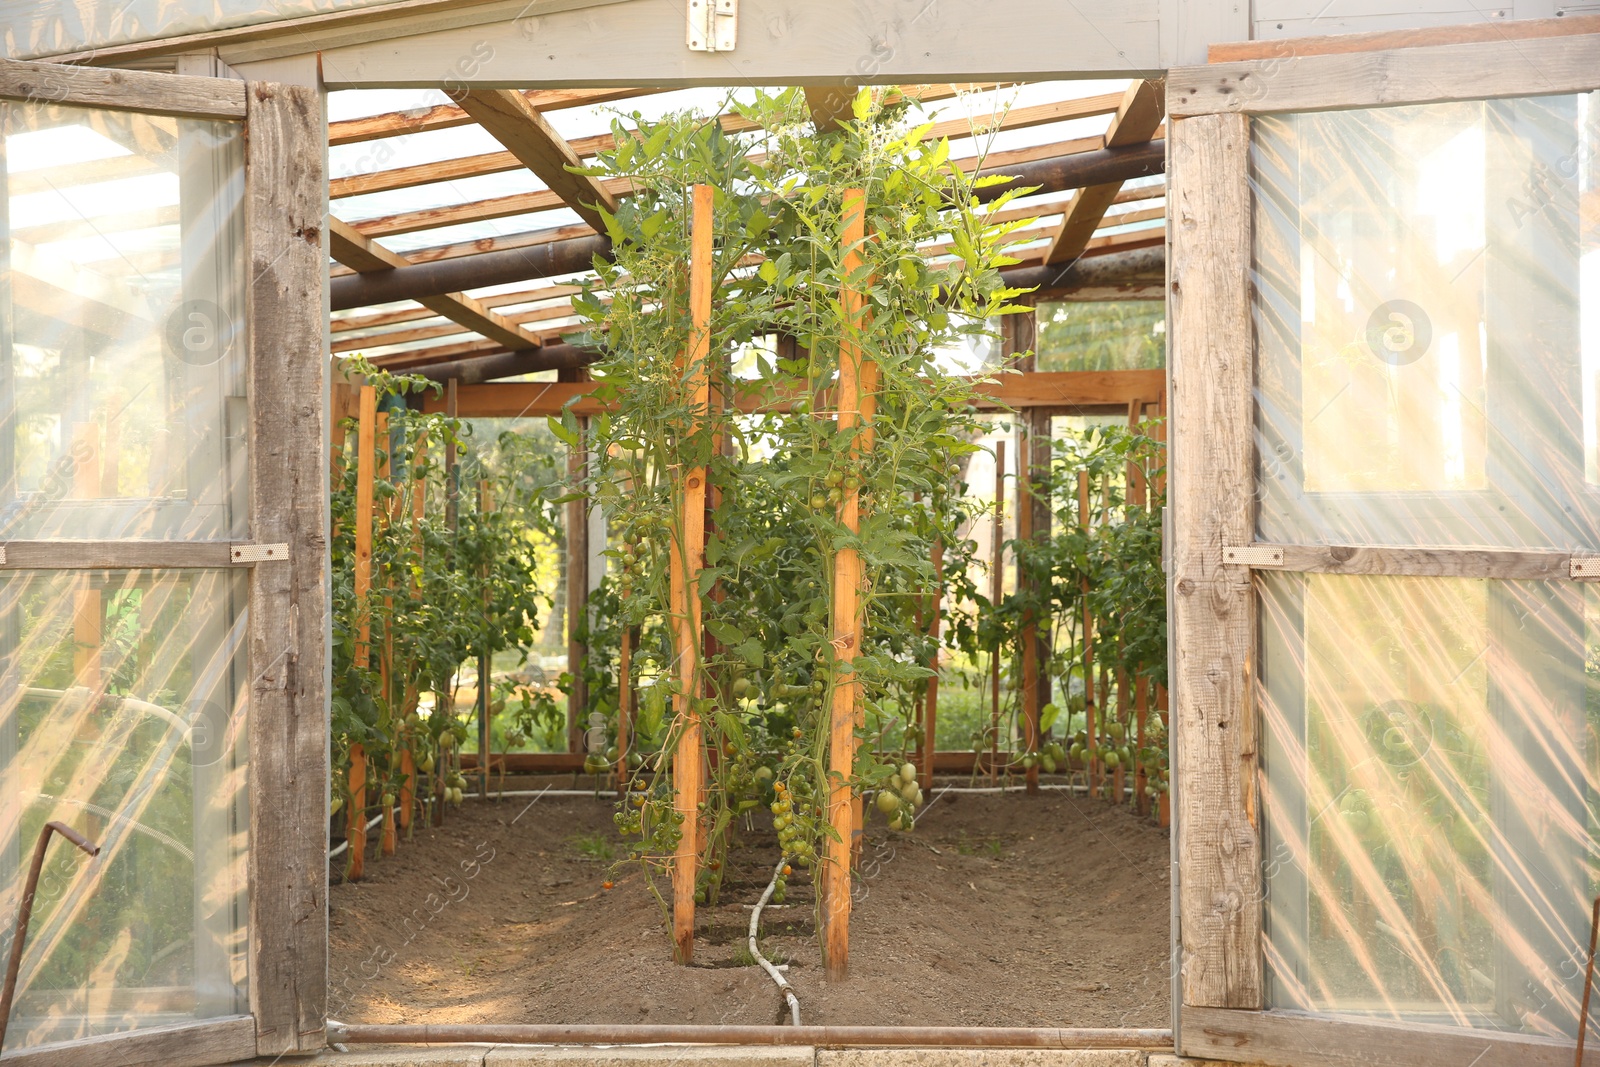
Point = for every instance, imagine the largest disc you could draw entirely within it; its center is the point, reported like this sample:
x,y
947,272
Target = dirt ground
x,y
1001,910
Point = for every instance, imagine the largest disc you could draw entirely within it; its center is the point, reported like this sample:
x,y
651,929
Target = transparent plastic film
x,y
122,394
122,715
1430,756
1428,324
34,29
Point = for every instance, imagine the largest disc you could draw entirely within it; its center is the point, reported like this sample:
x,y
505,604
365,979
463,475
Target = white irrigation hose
x,y
755,924
376,819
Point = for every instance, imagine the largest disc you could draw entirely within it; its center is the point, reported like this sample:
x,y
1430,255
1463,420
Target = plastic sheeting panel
x,y
1428,291
122,366
34,28
1425,373
122,714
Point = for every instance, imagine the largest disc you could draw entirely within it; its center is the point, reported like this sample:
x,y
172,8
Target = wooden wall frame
x,y
1222,1013
286,372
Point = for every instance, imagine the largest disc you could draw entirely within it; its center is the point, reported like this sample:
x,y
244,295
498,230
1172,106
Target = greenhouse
x,y
597,531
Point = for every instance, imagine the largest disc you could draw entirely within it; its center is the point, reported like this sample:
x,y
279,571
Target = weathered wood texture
x,y
854,394
1477,70
1519,29
122,90
285,189
1293,1039
225,1040
1212,614
113,555
1137,118
513,121
1423,562
1041,389
687,555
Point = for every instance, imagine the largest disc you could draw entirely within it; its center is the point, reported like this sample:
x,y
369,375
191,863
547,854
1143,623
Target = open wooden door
x,y
1385,284
163,603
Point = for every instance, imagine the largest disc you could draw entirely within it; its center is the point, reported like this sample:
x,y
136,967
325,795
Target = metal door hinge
x,y
259,553
713,25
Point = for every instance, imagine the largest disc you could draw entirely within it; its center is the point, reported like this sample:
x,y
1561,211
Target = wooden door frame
x,y
287,556
1221,891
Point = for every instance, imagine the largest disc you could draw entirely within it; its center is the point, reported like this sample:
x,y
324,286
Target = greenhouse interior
x,y
594,531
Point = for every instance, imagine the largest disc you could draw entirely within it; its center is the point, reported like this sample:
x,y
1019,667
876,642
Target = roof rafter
x,y
446,116
1137,119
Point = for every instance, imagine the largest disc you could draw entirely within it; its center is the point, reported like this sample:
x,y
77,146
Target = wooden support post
x,y
624,704
383,519
485,667
1030,703
577,519
366,430
997,574
853,375
1091,713
930,713
687,550
356,816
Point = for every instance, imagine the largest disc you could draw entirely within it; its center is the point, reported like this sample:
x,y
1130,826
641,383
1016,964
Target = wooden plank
x,y
508,117
1041,389
448,116
1213,610
1523,565
687,551
1519,29
146,92
1296,1039
225,1040
1479,70
288,868
1136,121
114,555
838,849
355,249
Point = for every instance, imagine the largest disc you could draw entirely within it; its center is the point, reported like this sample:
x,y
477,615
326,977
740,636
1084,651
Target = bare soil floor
x,y
1001,910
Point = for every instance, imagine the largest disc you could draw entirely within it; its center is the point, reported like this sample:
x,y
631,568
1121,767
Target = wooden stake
x,y
1090,711
1030,702
624,704
930,714
577,594
846,711
997,575
356,815
485,667
408,784
365,432
687,550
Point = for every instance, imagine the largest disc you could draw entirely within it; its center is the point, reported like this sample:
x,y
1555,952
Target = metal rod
x,y
24,913
1588,984
692,1034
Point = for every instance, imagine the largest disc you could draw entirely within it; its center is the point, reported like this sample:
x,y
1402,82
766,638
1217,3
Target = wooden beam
x,y
364,254
1477,70
1515,565
1137,119
1043,389
686,552
285,191
142,91
1383,40
226,1040
528,135
447,116
1300,1039
1213,604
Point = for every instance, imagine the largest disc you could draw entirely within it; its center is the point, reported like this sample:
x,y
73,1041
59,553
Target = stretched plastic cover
x,y
1430,756
35,28
1428,323
122,387
122,714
